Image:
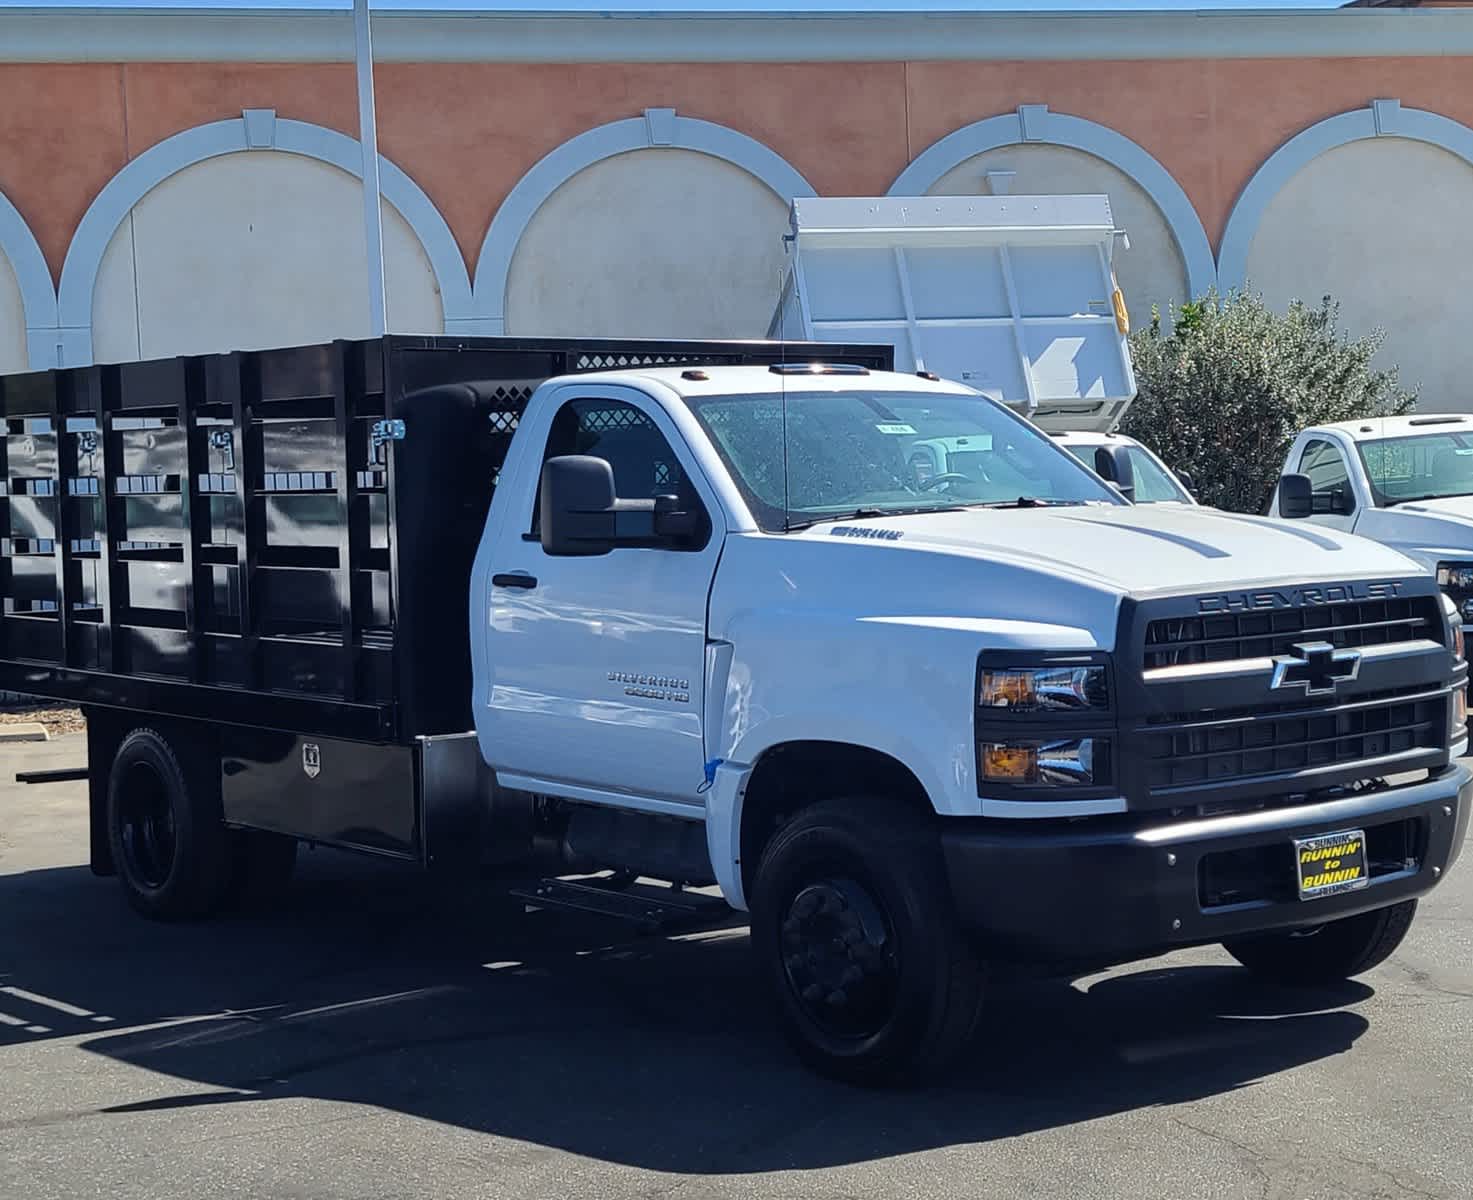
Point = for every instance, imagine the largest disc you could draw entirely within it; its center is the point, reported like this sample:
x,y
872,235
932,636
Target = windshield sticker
x,y
896,429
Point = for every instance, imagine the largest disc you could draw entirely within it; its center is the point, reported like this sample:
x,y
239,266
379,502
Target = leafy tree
x,y
1222,392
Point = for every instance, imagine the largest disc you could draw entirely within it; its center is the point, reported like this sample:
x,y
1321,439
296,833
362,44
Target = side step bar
x,y
652,908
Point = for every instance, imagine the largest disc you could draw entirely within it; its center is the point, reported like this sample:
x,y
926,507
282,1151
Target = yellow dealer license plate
x,y
1331,863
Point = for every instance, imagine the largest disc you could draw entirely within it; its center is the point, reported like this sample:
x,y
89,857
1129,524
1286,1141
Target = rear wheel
x,y
874,980
169,843
1327,953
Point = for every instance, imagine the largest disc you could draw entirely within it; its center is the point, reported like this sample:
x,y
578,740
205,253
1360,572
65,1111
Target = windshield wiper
x,y
1392,502
860,514
1029,502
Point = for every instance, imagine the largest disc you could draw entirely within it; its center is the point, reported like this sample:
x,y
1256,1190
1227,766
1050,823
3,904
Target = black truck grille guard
x,y
1202,729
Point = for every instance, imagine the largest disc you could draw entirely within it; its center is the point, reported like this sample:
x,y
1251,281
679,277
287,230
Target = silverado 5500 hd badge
x,y
1305,597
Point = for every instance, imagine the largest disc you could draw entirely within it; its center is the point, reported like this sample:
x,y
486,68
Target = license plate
x,y
1331,863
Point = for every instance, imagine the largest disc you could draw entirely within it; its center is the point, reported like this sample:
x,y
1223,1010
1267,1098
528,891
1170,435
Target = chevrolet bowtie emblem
x,y
1317,667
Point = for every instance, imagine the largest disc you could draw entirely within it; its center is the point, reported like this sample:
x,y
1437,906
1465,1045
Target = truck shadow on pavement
x,y
371,986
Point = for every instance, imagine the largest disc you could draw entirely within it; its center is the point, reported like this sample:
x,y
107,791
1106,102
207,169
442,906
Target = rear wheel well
x,y
795,775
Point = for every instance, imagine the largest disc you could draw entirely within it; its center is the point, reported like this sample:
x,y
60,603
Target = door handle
x,y
514,581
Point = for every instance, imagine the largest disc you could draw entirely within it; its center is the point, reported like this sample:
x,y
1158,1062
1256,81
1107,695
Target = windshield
x,y
1425,466
854,454
1153,483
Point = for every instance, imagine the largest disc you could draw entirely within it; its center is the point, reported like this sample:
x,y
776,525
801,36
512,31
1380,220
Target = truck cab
x,y
920,693
1406,482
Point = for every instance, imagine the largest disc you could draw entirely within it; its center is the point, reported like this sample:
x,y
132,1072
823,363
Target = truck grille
x,y
1223,637
1213,747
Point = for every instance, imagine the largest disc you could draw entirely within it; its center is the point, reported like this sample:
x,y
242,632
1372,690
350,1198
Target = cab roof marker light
x,y
817,369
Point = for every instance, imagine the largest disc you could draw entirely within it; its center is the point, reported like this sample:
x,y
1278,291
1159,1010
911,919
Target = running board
x,y
652,908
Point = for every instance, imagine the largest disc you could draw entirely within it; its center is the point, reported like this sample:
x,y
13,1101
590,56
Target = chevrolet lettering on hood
x,y
1304,597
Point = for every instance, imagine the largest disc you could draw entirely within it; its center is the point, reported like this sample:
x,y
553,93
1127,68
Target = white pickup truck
x,y
867,651
1406,482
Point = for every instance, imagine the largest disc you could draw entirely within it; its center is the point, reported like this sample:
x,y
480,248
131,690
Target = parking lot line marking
x,y
17,1023
71,1010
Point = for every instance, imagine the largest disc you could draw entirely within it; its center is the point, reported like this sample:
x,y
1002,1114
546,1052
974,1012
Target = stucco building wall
x,y
261,247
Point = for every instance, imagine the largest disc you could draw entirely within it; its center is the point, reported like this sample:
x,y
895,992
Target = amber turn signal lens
x,y
1009,689
1018,764
1460,710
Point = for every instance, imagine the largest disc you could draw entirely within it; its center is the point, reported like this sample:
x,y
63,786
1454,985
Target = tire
x,y
849,901
169,844
263,868
1328,953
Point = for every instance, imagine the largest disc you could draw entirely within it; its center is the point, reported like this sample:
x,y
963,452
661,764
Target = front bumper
x,y
1090,892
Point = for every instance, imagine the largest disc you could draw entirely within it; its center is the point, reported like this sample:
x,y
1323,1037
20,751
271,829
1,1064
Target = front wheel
x,y
1327,953
853,927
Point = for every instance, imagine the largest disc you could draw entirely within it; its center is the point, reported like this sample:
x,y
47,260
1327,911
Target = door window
x,y
643,462
1329,480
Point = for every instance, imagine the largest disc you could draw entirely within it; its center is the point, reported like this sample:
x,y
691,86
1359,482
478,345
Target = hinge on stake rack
x,y
224,441
386,431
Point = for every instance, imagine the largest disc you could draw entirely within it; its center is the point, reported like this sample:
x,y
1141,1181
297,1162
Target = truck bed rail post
x,y
348,383
194,512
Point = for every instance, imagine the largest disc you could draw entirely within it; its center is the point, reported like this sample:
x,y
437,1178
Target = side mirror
x,y
578,506
1112,464
1186,480
1296,497
673,522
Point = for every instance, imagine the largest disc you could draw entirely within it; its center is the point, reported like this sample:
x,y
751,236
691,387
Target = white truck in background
x,y
1406,482
1133,466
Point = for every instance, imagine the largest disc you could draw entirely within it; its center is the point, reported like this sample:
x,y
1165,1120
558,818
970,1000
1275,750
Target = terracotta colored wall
x,y
466,133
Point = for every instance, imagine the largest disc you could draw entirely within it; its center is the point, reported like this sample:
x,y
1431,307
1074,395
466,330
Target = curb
x,y
30,731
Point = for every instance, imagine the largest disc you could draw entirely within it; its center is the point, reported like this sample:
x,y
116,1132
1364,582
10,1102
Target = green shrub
x,y
1223,391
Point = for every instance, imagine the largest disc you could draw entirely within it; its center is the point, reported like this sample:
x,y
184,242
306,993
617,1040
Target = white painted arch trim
x,y
33,278
255,129
657,128
1034,123
1381,118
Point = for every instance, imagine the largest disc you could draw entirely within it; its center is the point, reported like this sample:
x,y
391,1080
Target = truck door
x,y
1334,501
597,664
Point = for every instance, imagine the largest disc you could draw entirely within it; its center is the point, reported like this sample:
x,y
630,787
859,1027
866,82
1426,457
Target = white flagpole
x,y
373,226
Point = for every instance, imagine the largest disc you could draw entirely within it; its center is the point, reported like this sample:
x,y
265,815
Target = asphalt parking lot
x,y
377,1036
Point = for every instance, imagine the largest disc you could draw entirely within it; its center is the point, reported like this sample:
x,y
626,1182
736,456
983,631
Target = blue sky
x,y
710,5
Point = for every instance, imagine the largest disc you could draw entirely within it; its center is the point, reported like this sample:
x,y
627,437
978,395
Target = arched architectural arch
x,y
255,129
1035,124
657,128
33,278
1381,118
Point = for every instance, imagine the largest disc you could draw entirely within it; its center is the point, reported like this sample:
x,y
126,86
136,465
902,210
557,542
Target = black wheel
x,y
170,846
264,866
855,931
1327,953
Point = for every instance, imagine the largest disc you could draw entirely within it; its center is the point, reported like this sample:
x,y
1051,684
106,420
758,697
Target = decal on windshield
x,y
896,429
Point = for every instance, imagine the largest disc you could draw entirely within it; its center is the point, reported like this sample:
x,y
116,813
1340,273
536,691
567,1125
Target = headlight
x,y
1045,724
1047,689
1066,762
1453,615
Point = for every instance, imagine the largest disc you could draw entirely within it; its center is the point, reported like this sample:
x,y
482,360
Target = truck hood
x,y
1426,530
1137,550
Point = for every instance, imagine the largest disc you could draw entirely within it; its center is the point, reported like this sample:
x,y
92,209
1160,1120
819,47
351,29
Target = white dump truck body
x,y
1014,296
